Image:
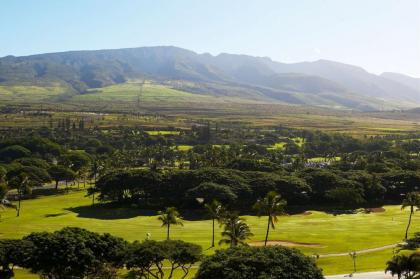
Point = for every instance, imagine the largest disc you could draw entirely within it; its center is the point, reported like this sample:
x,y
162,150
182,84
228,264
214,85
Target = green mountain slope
x,y
69,76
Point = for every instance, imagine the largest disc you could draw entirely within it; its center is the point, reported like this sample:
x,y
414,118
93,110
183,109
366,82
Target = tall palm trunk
x,y
409,221
268,230
212,239
167,232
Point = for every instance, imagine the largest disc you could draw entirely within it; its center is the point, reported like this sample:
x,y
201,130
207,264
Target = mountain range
x,y
320,83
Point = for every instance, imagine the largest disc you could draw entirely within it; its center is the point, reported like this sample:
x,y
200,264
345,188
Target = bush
x,y
258,263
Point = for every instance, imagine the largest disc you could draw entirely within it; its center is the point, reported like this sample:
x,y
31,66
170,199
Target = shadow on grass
x,y
107,212
55,215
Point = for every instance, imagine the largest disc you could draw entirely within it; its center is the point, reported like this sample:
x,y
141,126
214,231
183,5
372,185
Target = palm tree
x,y
272,206
412,200
170,217
403,265
236,231
214,209
396,266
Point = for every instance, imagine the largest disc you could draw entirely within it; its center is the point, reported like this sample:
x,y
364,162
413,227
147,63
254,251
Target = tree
x,y
13,152
214,210
235,231
74,253
260,263
272,206
412,243
13,253
59,173
170,217
404,265
412,200
346,196
3,190
145,260
213,191
36,176
77,162
181,254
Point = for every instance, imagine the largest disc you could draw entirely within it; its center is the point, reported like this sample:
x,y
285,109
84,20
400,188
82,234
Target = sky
x,y
378,35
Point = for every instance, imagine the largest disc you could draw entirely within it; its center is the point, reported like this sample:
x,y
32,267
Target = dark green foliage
x,y
73,253
33,162
252,165
13,253
258,263
146,259
404,266
212,191
3,190
235,230
76,160
13,152
346,196
61,173
36,176
412,243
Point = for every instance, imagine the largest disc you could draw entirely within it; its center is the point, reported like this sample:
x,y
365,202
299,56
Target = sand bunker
x,y
375,210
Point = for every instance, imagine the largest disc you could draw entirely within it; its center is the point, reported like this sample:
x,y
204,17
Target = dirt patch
x,y
375,210
286,243
307,213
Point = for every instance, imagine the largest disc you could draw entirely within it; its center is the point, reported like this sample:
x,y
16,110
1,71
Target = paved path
x,y
367,275
361,251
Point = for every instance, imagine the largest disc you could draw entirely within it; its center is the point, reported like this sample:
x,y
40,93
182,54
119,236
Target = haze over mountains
x,y
320,83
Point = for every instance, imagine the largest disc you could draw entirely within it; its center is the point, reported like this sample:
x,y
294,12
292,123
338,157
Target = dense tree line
x,y
78,253
370,170
241,189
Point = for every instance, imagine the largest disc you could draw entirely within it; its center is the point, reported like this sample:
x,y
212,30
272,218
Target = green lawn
x,y
323,159
162,133
30,92
184,147
138,94
341,233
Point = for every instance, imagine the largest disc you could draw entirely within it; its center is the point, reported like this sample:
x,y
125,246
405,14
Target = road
x,y
366,275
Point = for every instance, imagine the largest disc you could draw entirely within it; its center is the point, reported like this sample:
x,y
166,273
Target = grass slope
x,y
334,234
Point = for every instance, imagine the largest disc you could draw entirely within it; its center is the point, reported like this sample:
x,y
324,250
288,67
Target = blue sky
x,y
379,35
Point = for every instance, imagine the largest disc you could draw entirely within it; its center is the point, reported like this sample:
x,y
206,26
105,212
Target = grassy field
x,y
34,93
162,133
332,234
182,108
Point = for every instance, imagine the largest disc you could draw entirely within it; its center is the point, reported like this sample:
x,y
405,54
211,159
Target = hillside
x,y
408,81
241,77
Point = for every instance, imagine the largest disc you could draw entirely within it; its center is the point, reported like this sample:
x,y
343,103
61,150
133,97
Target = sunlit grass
x,y
334,234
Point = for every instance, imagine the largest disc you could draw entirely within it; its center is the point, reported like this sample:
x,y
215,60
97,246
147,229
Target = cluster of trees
x,y
241,189
135,167
37,161
78,253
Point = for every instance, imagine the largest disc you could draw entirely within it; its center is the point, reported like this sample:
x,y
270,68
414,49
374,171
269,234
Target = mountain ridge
x,y
320,83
